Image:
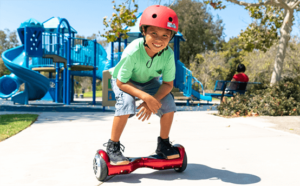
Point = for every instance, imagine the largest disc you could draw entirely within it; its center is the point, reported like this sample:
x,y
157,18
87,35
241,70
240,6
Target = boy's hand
x,y
152,103
144,111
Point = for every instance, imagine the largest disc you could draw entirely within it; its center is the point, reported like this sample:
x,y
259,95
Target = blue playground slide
x,y
37,85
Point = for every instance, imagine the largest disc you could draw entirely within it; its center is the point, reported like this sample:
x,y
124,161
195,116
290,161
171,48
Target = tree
x,y
209,67
123,17
198,28
7,40
272,11
260,63
233,53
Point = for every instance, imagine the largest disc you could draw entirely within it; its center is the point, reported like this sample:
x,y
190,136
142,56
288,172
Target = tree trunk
x,y
285,31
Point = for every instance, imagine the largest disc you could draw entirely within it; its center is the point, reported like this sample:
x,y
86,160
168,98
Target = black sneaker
x,y
166,150
113,150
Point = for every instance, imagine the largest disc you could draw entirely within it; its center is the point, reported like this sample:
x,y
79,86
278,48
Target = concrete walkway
x,y
58,150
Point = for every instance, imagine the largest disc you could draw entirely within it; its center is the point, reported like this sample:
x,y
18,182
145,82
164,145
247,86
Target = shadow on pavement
x,y
193,172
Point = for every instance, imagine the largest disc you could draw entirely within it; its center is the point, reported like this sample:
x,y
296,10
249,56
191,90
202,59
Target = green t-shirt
x,y
133,64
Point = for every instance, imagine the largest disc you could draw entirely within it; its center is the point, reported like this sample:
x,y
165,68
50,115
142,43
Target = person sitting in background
x,y
240,76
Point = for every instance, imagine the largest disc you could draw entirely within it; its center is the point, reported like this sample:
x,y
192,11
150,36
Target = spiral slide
x,y
36,85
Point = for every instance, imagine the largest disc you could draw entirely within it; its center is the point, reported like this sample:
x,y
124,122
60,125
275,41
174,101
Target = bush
x,y
282,99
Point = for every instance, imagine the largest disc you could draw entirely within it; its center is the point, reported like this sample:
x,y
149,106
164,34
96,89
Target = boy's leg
x,y
164,147
166,113
118,127
166,121
125,108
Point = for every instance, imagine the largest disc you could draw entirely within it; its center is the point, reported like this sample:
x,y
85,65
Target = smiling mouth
x,y
157,46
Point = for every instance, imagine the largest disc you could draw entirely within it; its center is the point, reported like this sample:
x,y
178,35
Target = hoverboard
x,y
103,168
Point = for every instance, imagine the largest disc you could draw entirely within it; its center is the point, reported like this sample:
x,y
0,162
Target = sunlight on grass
x,y
12,124
90,94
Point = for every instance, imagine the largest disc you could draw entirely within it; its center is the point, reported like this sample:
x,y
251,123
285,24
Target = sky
x,y
86,16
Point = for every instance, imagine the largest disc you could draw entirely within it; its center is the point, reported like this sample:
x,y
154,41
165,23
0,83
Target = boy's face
x,y
157,38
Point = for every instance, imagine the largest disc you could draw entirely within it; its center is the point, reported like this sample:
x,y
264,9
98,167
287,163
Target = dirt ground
x,y
286,123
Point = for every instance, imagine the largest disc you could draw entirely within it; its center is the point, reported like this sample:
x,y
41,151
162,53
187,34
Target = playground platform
x,y
58,150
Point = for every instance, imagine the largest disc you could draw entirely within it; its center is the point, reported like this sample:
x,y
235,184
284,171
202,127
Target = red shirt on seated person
x,y
241,76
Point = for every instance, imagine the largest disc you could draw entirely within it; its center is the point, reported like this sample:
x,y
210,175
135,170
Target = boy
x,y
136,74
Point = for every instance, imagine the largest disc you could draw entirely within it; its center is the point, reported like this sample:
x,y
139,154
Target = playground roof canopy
x,y
51,25
135,33
31,23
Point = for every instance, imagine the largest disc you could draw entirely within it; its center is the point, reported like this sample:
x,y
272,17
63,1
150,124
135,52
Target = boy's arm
x,y
131,89
151,102
164,90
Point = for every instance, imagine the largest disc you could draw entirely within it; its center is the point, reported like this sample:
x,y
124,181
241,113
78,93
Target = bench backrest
x,y
235,86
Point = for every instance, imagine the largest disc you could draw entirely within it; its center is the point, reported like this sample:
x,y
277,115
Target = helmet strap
x,y
145,44
151,60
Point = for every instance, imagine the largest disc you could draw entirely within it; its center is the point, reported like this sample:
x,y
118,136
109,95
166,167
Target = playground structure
x,y
51,46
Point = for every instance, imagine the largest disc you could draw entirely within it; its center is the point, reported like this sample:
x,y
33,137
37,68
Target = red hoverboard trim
x,y
150,162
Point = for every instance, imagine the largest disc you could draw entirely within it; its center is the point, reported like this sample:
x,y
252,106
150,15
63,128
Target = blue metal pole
x,y
57,83
26,62
63,42
50,42
72,84
119,48
57,42
94,73
112,55
68,69
64,74
125,43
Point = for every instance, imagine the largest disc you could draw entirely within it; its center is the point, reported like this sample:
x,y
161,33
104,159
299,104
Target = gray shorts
x,y
125,103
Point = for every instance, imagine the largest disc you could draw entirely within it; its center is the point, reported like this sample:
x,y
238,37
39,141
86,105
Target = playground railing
x,y
189,84
83,52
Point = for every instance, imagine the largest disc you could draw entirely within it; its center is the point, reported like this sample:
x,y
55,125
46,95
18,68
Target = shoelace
x,y
116,147
169,145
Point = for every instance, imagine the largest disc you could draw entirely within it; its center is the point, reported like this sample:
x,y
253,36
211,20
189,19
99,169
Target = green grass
x,y
90,94
12,124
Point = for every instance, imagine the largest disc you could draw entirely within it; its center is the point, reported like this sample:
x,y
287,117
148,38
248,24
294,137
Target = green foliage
x,y
263,33
198,28
215,4
234,55
123,17
282,99
7,40
260,64
3,69
209,67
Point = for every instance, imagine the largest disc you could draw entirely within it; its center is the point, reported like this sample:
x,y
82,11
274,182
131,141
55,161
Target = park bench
x,y
230,88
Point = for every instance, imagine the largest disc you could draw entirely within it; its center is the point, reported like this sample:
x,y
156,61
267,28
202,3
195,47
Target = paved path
x,y
58,150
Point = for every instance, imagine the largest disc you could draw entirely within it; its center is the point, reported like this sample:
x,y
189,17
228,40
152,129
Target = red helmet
x,y
160,16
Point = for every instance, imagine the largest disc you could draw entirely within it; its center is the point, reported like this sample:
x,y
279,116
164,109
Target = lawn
x,y
90,94
12,124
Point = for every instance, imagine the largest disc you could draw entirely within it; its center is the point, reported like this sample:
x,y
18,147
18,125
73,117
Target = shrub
x,y
282,99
